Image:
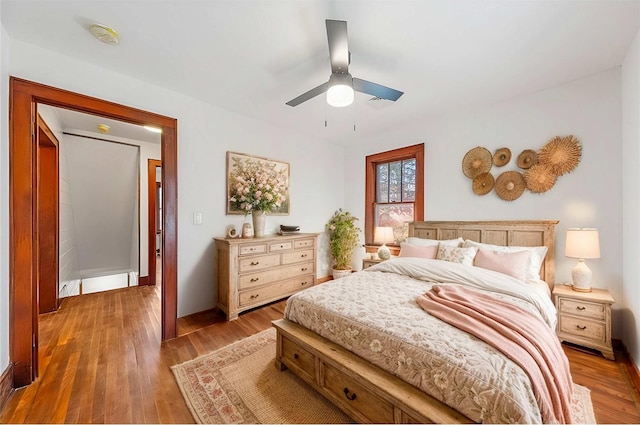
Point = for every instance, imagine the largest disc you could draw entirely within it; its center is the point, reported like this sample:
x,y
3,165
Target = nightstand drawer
x,y
588,329
582,309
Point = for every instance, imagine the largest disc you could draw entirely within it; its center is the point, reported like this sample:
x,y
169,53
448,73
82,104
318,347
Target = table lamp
x,y
383,235
582,243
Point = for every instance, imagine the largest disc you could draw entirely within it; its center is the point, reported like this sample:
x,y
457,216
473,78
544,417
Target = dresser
x,y
584,318
255,271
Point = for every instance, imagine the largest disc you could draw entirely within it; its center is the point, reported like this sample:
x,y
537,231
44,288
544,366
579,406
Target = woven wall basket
x,y
510,185
476,161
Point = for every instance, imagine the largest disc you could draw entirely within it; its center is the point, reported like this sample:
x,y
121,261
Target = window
x,y
394,190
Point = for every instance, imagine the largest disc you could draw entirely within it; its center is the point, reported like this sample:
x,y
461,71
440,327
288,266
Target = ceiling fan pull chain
x,y
325,114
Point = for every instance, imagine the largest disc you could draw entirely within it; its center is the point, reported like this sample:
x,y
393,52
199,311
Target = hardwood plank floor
x,y
102,362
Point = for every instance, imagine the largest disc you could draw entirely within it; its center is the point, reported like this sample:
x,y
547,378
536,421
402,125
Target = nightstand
x,y
584,318
368,262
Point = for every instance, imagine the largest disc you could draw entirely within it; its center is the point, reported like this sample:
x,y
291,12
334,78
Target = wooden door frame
x,y
151,223
23,306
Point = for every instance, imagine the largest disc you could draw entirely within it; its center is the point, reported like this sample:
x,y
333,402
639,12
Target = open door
x,y
155,219
47,231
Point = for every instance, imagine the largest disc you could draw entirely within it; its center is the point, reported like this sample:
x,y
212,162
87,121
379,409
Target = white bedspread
x,y
374,314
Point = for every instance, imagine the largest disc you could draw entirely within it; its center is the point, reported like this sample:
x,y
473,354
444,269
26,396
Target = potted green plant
x,y
343,238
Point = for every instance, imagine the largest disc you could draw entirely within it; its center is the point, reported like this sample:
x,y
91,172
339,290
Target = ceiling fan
x,y
341,85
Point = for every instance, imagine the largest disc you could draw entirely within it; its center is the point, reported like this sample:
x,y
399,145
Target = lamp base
x,y
383,252
581,277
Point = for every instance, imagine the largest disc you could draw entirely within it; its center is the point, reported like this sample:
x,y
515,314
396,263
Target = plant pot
x,y
337,274
259,218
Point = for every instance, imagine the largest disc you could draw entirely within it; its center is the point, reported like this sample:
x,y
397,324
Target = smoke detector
x,y
105,34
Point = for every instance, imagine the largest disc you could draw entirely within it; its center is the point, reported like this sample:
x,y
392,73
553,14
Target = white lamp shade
x,y
582,243
383,235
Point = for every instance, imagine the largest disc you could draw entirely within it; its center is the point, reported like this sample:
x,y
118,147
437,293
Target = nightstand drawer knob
x,y
581,327
581,307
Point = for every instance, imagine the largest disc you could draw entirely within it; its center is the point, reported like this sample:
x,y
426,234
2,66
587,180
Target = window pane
x,y
409,180
382,183
395,181
396,216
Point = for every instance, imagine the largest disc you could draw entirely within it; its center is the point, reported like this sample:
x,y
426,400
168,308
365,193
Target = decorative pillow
x,y
456,255
535,262
409,250
432,242
515,264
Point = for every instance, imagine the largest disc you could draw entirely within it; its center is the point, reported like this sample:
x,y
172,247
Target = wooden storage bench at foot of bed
x,y
362,390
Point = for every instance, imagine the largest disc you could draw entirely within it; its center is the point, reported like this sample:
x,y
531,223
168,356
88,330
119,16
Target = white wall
x,y
104,192
205,133
4,198
591,196
630,301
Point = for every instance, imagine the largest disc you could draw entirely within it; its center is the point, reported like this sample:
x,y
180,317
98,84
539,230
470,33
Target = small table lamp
x,y
383,235
582,243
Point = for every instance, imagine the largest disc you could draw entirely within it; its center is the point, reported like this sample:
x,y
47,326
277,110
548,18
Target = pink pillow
x,y
514,264
408,250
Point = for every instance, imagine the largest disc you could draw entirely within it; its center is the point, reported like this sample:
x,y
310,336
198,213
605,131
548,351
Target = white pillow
x,y
456,254
433,242
535,263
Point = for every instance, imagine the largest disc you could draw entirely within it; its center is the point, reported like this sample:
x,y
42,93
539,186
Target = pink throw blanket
x,y
518,334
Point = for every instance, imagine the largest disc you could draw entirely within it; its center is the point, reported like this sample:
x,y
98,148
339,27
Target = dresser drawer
x,y
275,291
303,243
281,246
583,328
582,309
297,256
357,397
299,358
258,263
252,280
253,249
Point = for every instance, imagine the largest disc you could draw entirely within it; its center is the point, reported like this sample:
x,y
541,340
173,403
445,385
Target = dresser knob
x,y
255,263
580,307
581,327
304,269
255,279
255,296
295,356
303,255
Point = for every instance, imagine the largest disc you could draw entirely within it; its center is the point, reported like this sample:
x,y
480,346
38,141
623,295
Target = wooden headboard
x,y
505,233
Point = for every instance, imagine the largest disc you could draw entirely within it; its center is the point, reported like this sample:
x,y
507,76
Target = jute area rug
x,y
240,384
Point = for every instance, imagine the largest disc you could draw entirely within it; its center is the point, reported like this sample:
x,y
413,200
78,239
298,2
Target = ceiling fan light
x,y
340,95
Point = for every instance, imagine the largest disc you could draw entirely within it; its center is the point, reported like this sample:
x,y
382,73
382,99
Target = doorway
x,y
23,212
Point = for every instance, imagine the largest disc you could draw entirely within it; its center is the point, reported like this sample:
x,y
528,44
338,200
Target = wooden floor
x,y
101,361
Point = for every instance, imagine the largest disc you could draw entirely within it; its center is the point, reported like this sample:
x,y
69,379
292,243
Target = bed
x,y
365,344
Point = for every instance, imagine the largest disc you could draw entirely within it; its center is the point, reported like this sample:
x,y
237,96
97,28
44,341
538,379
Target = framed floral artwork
x,y
256,183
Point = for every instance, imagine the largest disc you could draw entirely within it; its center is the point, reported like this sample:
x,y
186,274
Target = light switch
x,y
197,218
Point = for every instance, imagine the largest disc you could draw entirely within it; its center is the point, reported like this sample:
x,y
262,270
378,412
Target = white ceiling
x,y
252,56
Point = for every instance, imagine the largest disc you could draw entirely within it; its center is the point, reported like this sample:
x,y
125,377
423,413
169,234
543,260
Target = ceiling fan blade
x,y
338,46
377,90
309,95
